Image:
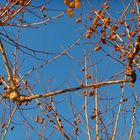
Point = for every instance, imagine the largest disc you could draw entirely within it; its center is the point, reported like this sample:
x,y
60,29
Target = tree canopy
x,y
69,69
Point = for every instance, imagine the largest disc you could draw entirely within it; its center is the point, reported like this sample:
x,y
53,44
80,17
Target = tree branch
x,y
97,85
15,93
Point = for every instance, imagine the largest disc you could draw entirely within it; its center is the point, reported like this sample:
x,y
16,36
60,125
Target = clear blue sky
x,y
65,72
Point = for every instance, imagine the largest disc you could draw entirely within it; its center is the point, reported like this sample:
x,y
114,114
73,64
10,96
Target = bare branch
x,y
15,94
100,84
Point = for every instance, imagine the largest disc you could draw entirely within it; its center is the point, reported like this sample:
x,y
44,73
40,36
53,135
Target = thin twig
x,y
8,124
59,123
86,102
8,69
96,85
17,12
97,110
118,114
41,108
133,125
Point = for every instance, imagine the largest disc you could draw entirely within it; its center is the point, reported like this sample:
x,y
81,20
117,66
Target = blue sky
x,y
65,72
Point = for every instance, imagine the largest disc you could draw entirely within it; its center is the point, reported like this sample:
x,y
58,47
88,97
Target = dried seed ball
x,y
93,116
106,21
38,103
44,15
62,126
98,12
19,19
134,109
103,33
125,100
22,2
12,12
77,4
84,92
96,20
88,35
132,33
49,108
41,120
83,106
26,85
76,131
70,12
50,120
103,40
89,32
83,69
71,4
42,8
123,34
66,2
1,82
78,20
12,128
37,118
113,37
91,93
139,21
89,17
132,11
97,48
114,28
79,120
81,84
2,124
105,5
59,120
75,122
55,114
